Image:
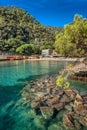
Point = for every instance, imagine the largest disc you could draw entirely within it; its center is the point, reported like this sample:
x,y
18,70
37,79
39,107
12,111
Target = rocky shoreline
x,y
79,70
49,102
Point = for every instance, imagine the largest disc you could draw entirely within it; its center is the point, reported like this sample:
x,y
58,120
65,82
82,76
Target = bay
x,y
14,75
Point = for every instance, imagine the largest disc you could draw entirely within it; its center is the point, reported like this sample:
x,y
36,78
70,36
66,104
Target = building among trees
x,y
47,52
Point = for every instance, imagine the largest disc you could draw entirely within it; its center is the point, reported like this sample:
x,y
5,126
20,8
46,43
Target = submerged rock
x,y
61,92
79,98
39,123
32,114
80,108
58,106
83,121
35,105
70,93
53,103
60,115
46,112
68,107
55,127
65,99
53,100
68,121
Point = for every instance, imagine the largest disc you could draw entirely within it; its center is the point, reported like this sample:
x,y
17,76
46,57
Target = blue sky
x,y
51,12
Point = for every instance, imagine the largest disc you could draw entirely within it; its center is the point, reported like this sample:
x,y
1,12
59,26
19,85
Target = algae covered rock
x,y
71,93
32,114
79,98
53,100
35,105
58,106
52,105
80,108
60,114
55,127
46,112
39,123
83,121
70,123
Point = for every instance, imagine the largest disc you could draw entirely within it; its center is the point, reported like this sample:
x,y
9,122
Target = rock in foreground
x,y
48,100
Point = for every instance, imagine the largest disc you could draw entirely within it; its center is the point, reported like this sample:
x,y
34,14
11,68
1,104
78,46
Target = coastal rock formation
x,y
78,71
48,101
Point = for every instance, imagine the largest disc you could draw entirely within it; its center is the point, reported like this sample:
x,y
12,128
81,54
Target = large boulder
x,y
58,106
80,108
79,98
85,99
39,123
55,127
65,99
46,112
32,114
68,107
35,105
83,121
53,100
60,114
71,93
39,97
69,123
61,92
40,94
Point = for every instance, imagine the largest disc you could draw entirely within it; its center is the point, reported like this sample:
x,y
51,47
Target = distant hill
x,y
18,28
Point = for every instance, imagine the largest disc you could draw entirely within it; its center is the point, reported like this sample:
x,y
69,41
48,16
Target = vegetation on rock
x,y
62,82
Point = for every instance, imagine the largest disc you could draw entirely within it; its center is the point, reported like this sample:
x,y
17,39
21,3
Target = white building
x,y
47,52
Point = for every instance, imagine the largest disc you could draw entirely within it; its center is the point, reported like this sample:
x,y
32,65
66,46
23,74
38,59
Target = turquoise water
x,y
14,75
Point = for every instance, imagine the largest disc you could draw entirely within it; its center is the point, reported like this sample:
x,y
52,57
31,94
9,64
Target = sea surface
x,y
14,75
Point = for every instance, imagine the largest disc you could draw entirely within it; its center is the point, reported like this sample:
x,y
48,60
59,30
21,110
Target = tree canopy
x,y
73,41
17,27
19,30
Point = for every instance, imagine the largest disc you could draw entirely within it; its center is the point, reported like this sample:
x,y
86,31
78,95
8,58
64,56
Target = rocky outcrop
x,y
48,101
79,71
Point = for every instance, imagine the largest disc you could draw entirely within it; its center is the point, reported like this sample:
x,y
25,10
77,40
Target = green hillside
x,y
21,32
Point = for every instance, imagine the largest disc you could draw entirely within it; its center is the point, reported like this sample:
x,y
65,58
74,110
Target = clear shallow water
x,y
18,72
13,76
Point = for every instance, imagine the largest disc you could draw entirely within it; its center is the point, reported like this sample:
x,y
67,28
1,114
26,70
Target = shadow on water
x,y
33,77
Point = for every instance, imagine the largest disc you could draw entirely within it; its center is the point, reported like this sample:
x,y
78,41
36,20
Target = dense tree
x,y
77,17
26,49
73,42
17,27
